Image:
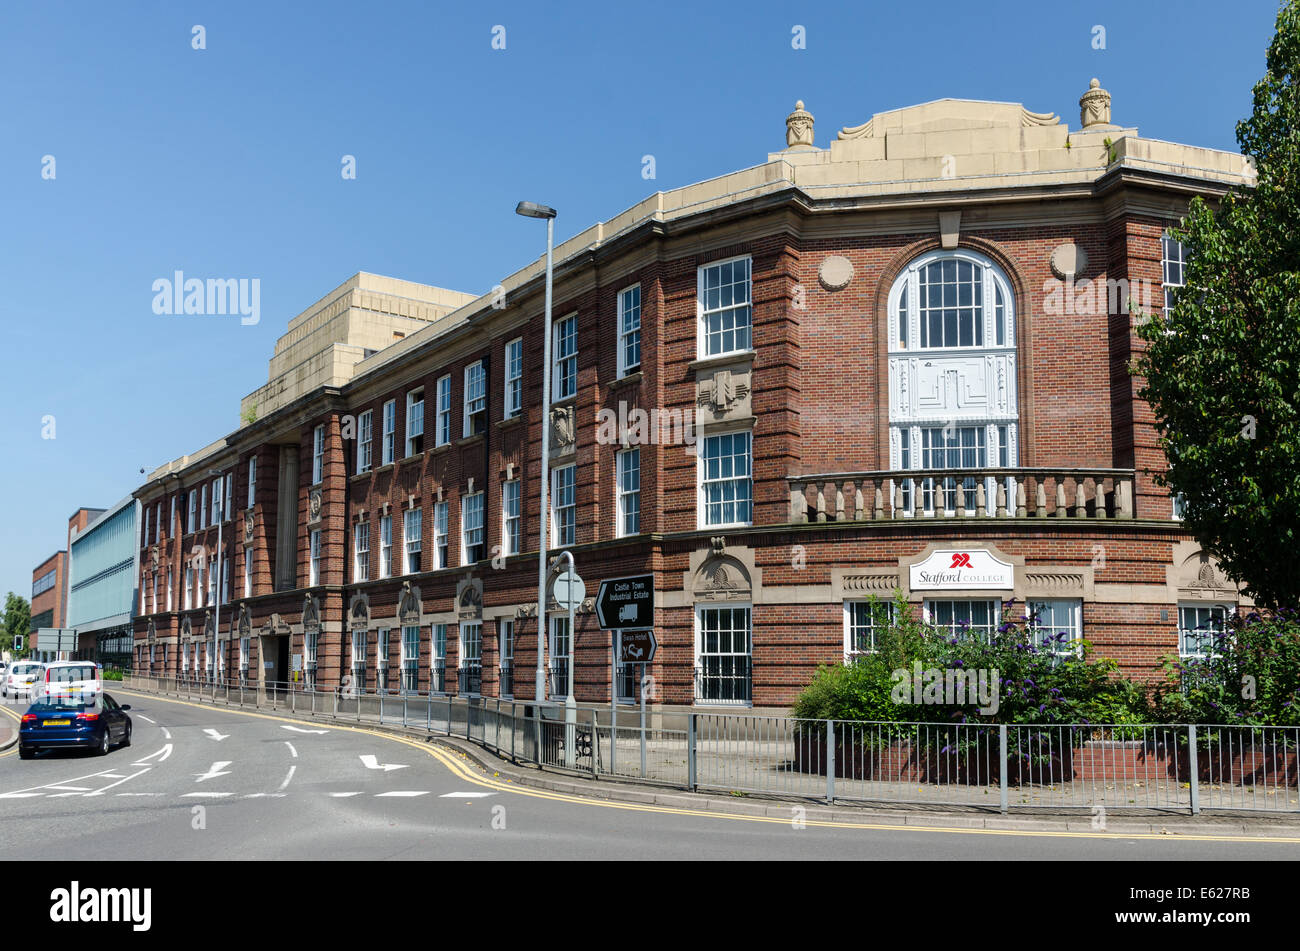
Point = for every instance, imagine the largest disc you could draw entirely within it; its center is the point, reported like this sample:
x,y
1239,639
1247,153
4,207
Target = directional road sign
x,y
637,647
627,602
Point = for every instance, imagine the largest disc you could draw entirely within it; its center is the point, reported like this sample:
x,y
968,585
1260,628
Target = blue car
x,y
95,722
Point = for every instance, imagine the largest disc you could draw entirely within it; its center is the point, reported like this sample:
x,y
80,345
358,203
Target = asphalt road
x,y
208,783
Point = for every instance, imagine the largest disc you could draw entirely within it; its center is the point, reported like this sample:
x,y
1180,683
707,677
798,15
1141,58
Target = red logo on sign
x,y
960,560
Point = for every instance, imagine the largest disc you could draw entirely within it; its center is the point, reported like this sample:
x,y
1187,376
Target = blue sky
x,y
225,162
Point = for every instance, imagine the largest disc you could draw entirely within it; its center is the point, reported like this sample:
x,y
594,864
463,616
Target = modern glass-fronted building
x,y
103,565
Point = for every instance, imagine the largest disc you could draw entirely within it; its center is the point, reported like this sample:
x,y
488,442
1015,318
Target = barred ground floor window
x,y
381,659
629,682
1199,625
359,660
1058,625
438,660
410,659
965,618
862,621
471,658
561,642
310,644
506,652
724,655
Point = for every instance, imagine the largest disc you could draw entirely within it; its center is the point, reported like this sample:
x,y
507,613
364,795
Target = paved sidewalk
x,y
8,732
1151,822
920,816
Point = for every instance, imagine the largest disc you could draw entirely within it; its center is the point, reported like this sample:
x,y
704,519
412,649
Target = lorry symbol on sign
x,y
627,612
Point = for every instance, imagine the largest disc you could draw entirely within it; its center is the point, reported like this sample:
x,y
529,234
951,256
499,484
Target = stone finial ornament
x,y
799,126
1094,106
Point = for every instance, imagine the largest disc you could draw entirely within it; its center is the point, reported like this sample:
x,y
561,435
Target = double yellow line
x,y
458,765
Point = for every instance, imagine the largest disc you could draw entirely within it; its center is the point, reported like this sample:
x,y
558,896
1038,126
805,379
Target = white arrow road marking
x,y
369,762
404,793
167,734
20,795
70,788
298,729
205,795
165,752
145,718
292,751
215,735
214,771
285,784
466,795
264,795
140,794
336,795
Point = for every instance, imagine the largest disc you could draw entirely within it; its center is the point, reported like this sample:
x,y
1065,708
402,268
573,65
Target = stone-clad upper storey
x,y
952,144
950,151
322,345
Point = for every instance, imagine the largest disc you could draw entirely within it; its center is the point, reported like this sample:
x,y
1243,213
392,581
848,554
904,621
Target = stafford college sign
x,y
957,569
960,568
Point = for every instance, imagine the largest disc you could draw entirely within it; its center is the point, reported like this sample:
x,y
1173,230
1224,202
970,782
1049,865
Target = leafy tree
x,y
1222,368
17,619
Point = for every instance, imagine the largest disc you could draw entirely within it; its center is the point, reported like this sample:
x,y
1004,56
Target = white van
x,y
69,677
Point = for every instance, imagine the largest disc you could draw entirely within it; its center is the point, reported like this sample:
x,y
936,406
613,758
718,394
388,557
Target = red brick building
x,y
49,591
50,580
896,364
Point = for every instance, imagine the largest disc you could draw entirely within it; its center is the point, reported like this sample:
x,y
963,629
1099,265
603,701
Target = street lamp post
x,y
533,210
216,627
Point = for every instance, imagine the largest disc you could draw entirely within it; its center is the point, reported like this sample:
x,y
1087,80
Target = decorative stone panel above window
x,y
724,393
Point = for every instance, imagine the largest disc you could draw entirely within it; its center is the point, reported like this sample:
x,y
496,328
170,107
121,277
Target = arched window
x,y
952,375
951,300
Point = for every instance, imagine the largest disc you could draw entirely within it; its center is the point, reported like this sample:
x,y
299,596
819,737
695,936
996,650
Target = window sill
x,y
629,379
470,440
723,426
384,468
440,449
413,457
721,360
510,421
566,401
364,475
723,704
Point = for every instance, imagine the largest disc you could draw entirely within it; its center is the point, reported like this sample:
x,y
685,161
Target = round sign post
x,y
569,592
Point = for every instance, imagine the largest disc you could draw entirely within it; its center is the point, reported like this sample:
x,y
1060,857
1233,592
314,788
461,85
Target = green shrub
x,y
1251,676
1035,683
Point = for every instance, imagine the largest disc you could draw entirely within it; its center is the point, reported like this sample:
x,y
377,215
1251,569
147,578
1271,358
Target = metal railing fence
x,y
1095,768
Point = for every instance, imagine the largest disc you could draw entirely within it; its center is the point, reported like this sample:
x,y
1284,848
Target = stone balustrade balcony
x,y
962,493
